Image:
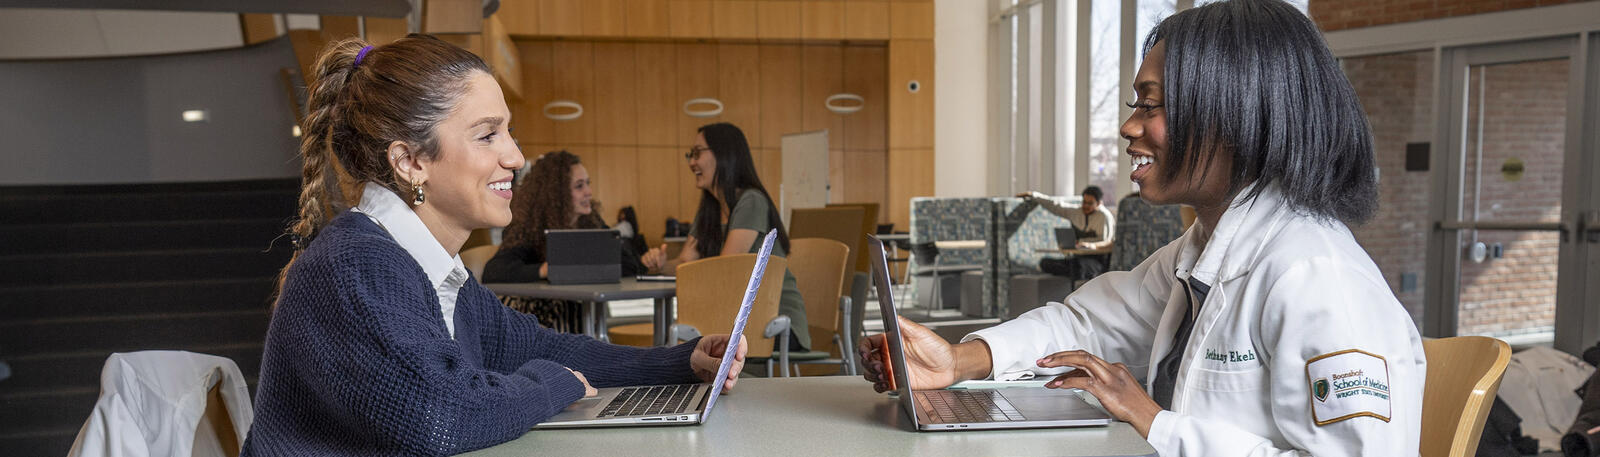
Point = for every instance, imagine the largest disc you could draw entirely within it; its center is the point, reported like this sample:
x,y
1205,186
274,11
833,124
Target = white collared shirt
x,y
446,273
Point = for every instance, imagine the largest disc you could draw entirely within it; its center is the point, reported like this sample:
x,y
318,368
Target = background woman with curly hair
x,y
556,195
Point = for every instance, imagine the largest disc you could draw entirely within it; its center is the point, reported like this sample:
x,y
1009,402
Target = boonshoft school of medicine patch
x,y
1347,384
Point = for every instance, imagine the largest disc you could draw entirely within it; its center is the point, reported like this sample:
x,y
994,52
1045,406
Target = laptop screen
x,y
891,325
738,324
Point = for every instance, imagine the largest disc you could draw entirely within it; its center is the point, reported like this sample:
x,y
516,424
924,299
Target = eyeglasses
x,y
694,153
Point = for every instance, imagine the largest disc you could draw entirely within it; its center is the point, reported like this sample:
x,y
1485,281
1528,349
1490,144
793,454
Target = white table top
x,y
812,416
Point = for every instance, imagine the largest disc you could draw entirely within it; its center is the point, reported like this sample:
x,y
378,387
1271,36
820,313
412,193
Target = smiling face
x,y
1146,132
703,164
468,185
582,193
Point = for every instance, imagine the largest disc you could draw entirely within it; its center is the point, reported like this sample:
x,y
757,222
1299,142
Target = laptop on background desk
x,y
682,404
583,256
974,409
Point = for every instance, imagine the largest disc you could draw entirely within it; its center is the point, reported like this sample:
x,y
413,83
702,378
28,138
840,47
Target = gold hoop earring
x,y
417,201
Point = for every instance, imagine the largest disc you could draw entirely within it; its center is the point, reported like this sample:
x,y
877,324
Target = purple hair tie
x,y
361,55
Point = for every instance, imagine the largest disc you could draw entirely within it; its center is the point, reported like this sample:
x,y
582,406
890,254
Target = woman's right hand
x,y
588,390
655,259
931,359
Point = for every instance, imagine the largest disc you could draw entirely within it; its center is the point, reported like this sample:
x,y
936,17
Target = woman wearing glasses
x,y
734,210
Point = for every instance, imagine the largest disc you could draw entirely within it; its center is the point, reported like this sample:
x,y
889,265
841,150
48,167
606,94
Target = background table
x,y
1076,252
825,415
594,297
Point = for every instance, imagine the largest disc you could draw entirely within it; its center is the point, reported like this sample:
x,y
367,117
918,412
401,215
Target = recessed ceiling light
x,y
194,115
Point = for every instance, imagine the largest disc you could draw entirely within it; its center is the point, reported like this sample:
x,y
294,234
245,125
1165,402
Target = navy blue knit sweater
x,y
358,360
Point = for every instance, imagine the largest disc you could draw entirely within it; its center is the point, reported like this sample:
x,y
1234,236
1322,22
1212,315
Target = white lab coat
x,y
1287,287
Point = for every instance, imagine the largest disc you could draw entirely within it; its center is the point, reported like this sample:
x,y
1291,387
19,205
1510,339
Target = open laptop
x,y
974,409
583,256
1067,238
683,404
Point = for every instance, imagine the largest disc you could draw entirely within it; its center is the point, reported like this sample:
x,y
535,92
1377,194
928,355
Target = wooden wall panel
x,y
561,17
739,87
521,17
866,20
866,69
911,20
616,178
778,19
258,28
690,18
382,30
823,76
735,19
910,114
822,20
647,18
340,27
574,80
697,78
603,18
656,84
771,171
910,175
452,16
780,94
659,168
864,171
615,108
538,72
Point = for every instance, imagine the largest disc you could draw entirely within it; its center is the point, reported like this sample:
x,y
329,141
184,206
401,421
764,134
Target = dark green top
x,y
750,213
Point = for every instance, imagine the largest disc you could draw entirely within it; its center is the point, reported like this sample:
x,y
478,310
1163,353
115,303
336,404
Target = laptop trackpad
x,y
1051,404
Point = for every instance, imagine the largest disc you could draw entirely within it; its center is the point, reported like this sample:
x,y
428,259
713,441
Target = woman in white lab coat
x,y
1264,330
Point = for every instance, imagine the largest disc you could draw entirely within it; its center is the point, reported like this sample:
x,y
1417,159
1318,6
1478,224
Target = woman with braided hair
x,y
381,343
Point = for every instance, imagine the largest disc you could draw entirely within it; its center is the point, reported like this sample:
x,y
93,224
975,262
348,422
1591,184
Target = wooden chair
x,y
819,267
709,293
842,224
1463,375
476,258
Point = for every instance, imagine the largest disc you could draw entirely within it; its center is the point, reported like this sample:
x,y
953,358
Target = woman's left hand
x,y
1118,391
707,357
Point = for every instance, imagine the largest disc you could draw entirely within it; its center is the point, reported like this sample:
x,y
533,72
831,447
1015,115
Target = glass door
x,y
1512,191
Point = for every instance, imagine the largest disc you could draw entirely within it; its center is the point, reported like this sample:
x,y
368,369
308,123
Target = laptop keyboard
x,y
651,400
962,406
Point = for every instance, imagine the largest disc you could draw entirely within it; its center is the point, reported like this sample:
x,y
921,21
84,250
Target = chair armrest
x,y
847,346
778,328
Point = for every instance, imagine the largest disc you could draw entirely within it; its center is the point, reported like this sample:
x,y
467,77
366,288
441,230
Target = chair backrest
x,y
710,292
819,269
1463,375
843,224
476,257
1142,228
869,225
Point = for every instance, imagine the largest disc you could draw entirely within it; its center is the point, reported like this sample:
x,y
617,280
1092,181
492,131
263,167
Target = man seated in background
x,y
1095,227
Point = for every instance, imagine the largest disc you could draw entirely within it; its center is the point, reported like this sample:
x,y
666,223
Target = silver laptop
x,y
682,404
974,409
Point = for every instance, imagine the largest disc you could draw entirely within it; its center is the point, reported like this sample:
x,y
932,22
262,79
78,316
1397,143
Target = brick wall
x,y
1346,14
1523,117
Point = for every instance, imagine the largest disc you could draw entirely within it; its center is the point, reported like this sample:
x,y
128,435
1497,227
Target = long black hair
x,y
735,174
1255,77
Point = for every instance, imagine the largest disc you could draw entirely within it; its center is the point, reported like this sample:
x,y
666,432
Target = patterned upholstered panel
x,y
952,219
1141,229
955,219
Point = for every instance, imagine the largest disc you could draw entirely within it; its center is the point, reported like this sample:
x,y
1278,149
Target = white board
x,y
805,172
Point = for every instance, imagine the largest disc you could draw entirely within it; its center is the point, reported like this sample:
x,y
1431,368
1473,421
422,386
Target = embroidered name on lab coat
x,y
1346,384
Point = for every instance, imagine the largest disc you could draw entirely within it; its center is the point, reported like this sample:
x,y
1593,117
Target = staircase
x,y
86,271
